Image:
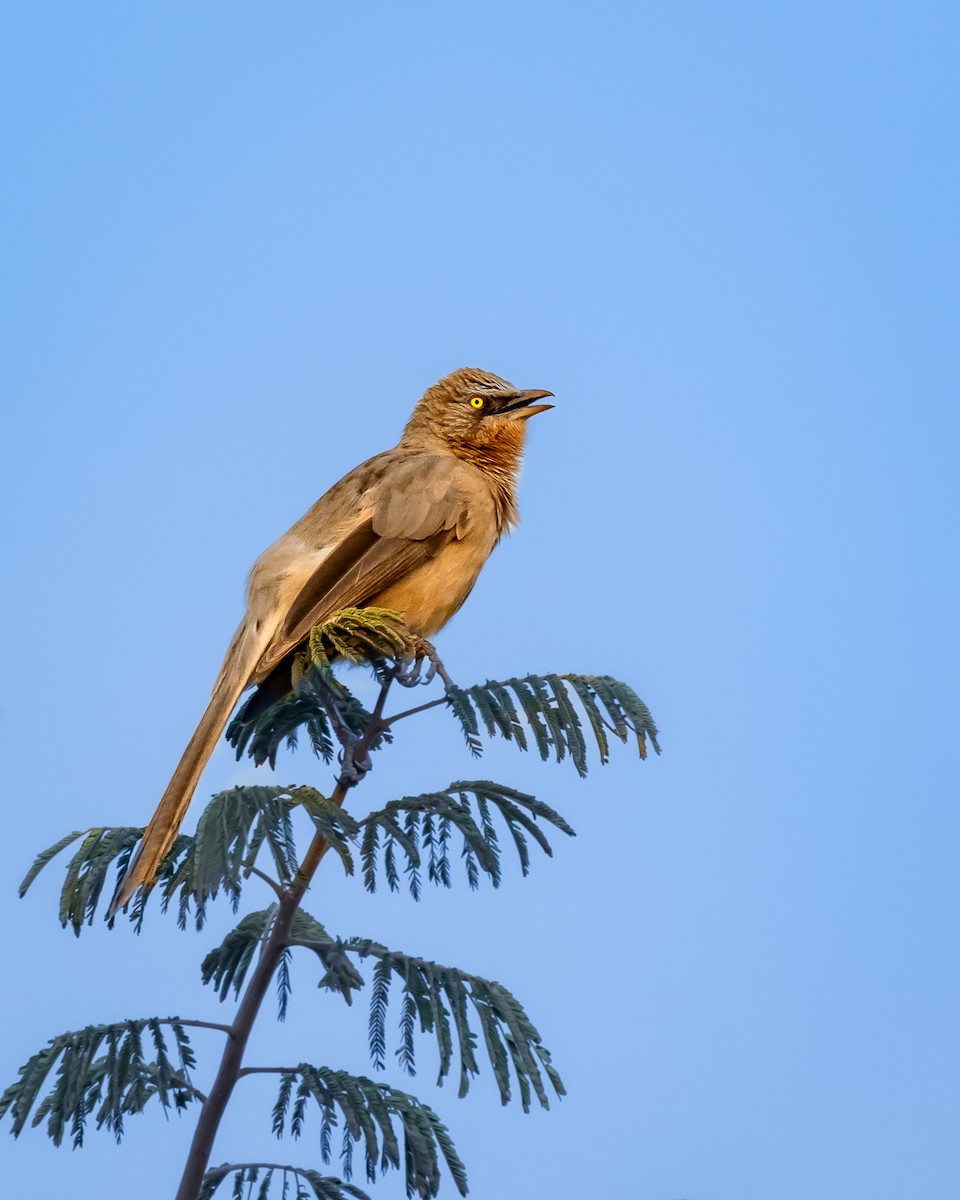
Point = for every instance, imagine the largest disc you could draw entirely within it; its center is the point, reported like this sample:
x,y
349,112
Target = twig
x,y
267,1071
219,1172
412,711
198,1024
266,879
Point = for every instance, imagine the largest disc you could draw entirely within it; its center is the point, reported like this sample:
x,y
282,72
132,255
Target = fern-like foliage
x,y
543,711
407,836
279,1182
419,829
234,829
439,1000
103,1073
261,734
541,708
226,966
87,870
317,693
376,637
369,1110
335,825
230,833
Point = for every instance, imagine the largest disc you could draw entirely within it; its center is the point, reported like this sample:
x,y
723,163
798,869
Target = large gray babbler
x,y
407,530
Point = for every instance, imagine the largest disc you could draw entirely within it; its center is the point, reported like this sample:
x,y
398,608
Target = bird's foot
x,y
354,757
354,761
412,670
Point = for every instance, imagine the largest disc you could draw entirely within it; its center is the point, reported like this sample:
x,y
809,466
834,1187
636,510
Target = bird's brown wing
x,y
361,567
423,495
417,506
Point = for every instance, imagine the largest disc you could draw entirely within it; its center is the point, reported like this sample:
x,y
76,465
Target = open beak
x,y
522,406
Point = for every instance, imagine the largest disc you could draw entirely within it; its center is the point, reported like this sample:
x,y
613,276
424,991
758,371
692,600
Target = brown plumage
x,y
407,530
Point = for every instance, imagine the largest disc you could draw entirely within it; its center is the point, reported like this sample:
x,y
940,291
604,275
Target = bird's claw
x,y
412,671
353,766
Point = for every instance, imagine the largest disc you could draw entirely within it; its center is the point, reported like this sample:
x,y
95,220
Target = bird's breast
x,y
429,595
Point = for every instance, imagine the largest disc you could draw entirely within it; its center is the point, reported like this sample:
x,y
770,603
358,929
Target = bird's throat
x,y
499,459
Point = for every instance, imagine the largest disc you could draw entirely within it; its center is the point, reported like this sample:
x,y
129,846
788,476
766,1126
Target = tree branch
x,y
231,1064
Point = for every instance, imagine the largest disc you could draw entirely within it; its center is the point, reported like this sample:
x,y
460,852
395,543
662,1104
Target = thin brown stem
x,y
199,1024
267,1071
266,879
220,1172
410,712
231,1064
306,944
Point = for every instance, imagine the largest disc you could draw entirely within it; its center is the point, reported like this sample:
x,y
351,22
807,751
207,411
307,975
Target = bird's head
x,y
477,415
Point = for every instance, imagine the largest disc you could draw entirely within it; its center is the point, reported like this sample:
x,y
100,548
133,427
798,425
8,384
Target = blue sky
x,y
238,242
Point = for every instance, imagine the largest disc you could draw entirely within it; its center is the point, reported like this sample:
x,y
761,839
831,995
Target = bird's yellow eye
x,y
476,402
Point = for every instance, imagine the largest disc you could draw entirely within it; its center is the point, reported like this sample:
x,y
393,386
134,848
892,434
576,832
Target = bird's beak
x,y
521,406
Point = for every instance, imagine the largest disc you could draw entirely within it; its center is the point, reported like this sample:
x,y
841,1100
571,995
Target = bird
x,y
408,530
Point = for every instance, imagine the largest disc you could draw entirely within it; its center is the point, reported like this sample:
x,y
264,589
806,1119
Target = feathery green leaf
x,y
546,702
369,1111
233,829
42,859
361,635
334,823
226,966
101,849
321,1187
102,1072
438,1000
428,821
374,636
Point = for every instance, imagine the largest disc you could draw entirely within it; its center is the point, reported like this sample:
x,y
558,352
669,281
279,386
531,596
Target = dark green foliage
x,y
226,966
439,1000
104,1074
547,705
368,1110
286,1182
544,709
463,710
317,698
46,855
420,828
262,735
232,831
335,824
373,636
88,869
240,823
626,713
340,973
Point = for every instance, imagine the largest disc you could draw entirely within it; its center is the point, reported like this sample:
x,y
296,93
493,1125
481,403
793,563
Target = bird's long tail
x,y
165,823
